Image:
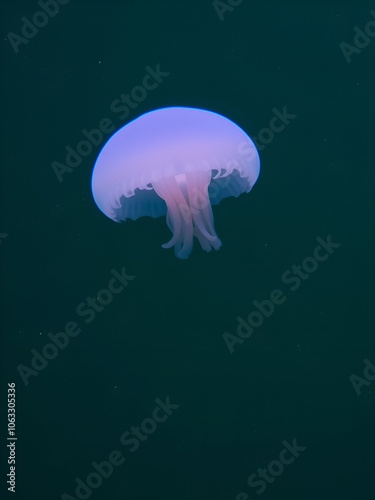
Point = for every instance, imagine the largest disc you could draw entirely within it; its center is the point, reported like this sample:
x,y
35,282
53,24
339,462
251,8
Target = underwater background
x,y
164,392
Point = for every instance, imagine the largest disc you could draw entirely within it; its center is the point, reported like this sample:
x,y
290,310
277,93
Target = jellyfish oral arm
x,y
189,212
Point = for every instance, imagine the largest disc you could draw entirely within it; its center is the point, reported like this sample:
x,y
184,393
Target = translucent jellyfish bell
x,y
175,162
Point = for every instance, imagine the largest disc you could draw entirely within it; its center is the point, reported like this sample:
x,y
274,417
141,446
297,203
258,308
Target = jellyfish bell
x,y
176,162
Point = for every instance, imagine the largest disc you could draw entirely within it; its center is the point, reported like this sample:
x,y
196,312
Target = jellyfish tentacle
x,y
189,211
164,191
179,218
202,215
200,223
211,238
183,216
205,244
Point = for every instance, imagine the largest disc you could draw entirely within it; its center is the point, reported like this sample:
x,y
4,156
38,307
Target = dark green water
x,y
162,336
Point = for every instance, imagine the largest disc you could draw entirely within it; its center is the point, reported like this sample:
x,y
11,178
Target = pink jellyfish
x,y
176,162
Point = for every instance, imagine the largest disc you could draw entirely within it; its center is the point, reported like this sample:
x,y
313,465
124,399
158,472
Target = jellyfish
x,y
175,162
